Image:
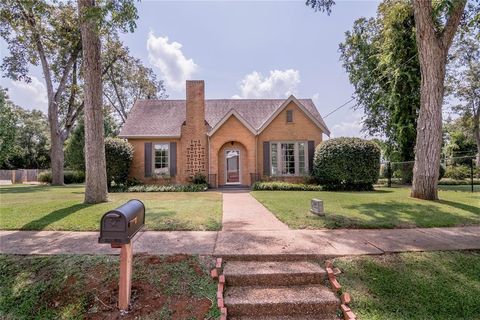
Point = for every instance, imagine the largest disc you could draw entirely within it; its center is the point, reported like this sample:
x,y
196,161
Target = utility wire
x,y
353,94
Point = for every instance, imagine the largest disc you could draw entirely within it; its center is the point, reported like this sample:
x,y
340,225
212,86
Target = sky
x,y
242,49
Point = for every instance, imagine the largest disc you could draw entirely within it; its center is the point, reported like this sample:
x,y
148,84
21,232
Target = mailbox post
x,y
118,227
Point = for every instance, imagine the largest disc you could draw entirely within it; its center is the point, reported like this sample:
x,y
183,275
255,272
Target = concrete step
x,y
280,300
255,273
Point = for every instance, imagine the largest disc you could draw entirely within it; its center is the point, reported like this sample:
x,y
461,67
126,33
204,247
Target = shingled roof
x,y
164,118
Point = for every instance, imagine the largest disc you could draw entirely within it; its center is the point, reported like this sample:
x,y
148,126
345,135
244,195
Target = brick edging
x,y
344,296
217,273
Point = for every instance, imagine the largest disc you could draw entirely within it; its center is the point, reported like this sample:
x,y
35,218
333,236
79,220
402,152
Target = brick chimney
x,y
194,132
196,105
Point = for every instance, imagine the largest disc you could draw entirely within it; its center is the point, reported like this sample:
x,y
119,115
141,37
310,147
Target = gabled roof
x,y
164,118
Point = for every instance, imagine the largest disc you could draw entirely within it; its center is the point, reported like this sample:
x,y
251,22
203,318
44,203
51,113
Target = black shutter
x,y
266,158
311,154
148,159
173,159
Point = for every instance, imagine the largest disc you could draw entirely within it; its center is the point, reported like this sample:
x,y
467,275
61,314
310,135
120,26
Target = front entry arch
x,y
232,166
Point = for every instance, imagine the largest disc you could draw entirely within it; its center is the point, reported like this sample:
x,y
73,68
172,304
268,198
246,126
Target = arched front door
x,y
232,166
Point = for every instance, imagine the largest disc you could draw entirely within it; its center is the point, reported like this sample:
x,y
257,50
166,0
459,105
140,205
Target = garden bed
x,y
86,287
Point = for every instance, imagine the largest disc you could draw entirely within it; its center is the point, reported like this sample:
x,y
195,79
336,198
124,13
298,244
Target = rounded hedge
x,y
118,156
347,164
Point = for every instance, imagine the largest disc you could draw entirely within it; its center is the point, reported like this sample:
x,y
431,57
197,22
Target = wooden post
x,y
13,176
125,281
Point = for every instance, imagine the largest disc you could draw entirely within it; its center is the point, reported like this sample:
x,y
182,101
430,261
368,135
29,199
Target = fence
x,y
20,175
453,171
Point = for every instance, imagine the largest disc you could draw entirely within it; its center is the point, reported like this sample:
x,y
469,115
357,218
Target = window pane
x,y
161,158
301,158
274,158
289,116
288,158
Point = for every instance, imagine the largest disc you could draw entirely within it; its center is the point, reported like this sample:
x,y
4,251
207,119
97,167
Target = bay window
x,y
288,158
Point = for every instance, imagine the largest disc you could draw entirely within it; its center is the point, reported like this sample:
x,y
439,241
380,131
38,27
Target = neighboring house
x,y
231,141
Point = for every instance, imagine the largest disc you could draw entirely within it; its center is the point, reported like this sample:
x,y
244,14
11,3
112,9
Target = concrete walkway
x,y
286,243
242,212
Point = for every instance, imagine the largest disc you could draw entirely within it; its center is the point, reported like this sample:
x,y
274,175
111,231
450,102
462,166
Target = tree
x,y
435,30
94,21
433,40
44,33
459,142
380,56
463,79
96,176
127,79
8,129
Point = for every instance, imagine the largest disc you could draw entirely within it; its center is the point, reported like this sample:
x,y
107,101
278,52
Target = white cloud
x,y
316,97
32,95
277,85
349,128
169,58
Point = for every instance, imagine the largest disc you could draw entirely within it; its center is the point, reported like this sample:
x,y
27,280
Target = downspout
x,y
256,156
208,147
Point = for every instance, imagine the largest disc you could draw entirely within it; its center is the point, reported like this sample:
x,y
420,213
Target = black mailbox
x,y
120,225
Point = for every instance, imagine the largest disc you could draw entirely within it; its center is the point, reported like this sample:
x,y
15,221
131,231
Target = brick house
x,y
231,141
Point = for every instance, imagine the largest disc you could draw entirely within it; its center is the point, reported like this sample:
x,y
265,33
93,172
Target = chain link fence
x,y
453,171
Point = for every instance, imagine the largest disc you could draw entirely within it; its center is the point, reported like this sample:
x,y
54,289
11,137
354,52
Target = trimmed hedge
x,y
118,156
162,188
69,177
347,164
284,186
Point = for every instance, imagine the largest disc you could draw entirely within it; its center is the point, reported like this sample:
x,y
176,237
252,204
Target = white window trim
x,y
296,157
239,167
154,170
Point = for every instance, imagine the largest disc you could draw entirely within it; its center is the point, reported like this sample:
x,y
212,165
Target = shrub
x,y
457,172
347,164
69,177
199,178
453,182
118,156
285,186
162,188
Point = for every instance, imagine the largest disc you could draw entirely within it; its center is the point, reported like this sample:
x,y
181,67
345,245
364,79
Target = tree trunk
x,y
429,126
57,157
433,49
96,176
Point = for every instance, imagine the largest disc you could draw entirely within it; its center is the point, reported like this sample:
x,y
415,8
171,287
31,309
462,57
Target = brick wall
x,y
244,140
301,129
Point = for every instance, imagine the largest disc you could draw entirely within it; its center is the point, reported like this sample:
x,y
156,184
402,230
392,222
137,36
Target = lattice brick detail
x,y
195,158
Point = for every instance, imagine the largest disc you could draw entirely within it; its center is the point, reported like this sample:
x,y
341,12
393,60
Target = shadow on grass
x,y
394,286
23,189
394,214
53,217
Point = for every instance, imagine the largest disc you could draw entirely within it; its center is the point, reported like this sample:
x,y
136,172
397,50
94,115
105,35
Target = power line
x,y
353,98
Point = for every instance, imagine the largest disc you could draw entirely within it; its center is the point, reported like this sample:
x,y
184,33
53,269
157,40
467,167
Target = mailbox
x,y
120,225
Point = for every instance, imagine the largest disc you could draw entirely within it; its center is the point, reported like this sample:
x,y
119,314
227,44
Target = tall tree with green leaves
x,y
127,79
8,129
435,29
44,33
96,19
380,56
463,76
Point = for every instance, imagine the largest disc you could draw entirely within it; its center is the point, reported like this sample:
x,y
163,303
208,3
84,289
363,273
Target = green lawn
x,y
410,286
61,208
383,208
86,287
